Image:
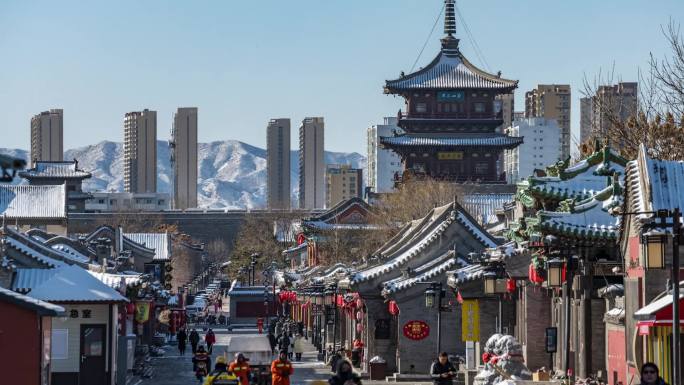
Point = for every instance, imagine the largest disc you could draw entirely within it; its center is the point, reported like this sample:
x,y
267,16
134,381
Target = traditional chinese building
x,y
453,112
421,252
345,218
574,203
51,173
651,185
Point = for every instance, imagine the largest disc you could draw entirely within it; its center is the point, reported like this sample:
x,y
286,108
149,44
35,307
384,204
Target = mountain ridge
x,y
231,173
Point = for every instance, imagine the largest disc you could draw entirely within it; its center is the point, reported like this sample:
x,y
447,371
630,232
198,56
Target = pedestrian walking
x,y
194,340
290,352
281,370
260,325
357,353
240,368
298,347
442,370
201,362
272,340
650,375
345,375
335,358
284,343
221,374
182,338
210,339
279,328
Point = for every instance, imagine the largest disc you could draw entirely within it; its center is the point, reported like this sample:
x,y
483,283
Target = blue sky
x,y
243,62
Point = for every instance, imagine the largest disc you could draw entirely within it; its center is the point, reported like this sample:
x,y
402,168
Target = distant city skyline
x,y
333,59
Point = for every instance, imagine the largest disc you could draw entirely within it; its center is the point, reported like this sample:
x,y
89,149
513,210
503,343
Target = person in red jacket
x,y
281,370
210,340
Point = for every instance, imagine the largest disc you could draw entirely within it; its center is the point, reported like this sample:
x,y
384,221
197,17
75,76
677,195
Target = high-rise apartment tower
x,y
47,136
311,164
278,164
552,101
140,151
184,157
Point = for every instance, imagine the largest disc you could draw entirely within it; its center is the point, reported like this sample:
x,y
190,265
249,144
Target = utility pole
x,y
676,233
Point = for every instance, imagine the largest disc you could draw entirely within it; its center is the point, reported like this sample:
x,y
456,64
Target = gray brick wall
x,y
417,356
536,317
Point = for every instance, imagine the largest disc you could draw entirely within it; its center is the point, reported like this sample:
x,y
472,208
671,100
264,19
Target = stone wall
x,y
417,356
376,309
186,263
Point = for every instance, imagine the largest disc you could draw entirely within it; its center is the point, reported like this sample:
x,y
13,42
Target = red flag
x,y
459,298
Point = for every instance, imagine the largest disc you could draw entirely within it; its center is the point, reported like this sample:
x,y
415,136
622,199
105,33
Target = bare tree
x,y
657,121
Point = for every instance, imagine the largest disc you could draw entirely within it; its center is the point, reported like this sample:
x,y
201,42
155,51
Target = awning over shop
x,y
658,313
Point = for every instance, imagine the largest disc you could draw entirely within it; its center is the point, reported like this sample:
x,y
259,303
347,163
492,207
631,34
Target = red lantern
x,y
359,316
130,308
510,285
359,328
393,308
534,276
359,303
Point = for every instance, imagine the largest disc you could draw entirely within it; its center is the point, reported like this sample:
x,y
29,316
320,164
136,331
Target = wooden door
x,y
93,355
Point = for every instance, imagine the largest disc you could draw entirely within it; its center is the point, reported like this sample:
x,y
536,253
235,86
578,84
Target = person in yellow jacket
x,y
221,375
281,370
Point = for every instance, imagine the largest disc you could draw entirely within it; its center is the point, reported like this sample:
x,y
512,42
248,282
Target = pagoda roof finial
x,y
449,17
449,42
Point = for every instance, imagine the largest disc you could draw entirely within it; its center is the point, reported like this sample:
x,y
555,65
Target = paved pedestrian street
x,y
173,369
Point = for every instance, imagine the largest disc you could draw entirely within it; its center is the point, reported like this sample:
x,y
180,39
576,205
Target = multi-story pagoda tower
x,y
451,117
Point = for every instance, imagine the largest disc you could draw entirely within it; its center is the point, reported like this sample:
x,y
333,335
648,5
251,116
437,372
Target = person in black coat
x,y
272,341
194,340
344,375
442,371
182,338
284,343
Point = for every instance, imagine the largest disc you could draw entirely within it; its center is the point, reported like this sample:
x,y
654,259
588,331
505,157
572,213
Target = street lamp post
x,y
555,272
433,296
654,242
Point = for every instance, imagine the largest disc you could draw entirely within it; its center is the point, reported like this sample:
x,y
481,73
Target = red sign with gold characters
x,y
416,330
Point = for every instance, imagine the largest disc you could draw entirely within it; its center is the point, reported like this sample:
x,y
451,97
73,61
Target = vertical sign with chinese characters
x,y
470,320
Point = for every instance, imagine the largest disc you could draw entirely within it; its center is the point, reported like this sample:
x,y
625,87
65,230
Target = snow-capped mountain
x,y
231,174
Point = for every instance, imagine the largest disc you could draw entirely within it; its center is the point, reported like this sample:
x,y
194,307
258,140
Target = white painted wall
x,y
541,147
382,163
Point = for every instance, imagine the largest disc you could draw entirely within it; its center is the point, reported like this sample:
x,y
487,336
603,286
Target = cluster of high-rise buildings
x,y
140,156
320,185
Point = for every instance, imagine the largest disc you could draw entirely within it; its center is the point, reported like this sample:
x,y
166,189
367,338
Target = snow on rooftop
x,y
114,280
75,284
28,251
157,241
29,201
63,169
27,301
72,253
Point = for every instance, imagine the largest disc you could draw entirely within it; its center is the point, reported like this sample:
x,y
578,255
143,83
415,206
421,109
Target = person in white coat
x,y
298,347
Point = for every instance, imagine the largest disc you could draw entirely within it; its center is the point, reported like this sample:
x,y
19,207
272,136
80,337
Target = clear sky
x,y
243,62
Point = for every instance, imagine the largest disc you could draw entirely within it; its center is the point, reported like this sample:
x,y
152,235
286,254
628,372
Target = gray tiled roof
x,y
459,141
68,169
448,72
